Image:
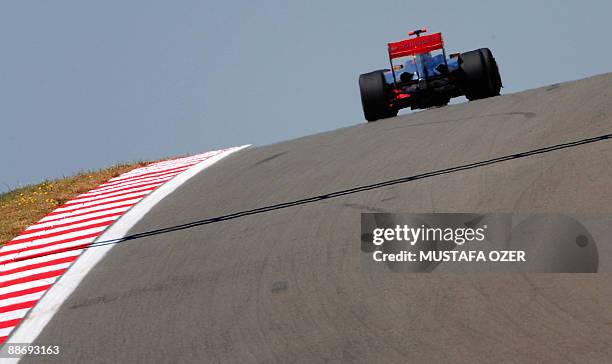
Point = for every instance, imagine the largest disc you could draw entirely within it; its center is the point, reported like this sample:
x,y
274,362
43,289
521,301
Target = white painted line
x,y
27,285
27,273
67,220
42,241
135,184
42,259
144,174
47,249
52,230
157,167
90,209
39,316
102,195
133,181
5,331
11,315
24,298
108,189
85,204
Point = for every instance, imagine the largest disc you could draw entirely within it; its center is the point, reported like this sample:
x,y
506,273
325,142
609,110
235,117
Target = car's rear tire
x,y
480,74
375,96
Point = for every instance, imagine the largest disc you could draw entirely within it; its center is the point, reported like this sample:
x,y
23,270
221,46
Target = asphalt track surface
x,y
286,285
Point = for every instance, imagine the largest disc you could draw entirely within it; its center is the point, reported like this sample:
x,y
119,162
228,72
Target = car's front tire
x,y
375,96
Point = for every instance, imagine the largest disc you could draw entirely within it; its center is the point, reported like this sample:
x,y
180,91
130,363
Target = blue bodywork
x,y
426,65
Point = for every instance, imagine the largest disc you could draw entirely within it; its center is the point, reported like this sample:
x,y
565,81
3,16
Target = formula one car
x,y
427,78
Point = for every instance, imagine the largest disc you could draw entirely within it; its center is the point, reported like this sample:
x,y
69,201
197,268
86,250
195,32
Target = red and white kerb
x,y
34,260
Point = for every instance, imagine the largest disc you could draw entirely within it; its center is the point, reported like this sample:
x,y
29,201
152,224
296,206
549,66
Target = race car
x,y
425,77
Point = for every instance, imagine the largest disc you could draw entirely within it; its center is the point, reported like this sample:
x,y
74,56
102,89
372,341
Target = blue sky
x,y
86,84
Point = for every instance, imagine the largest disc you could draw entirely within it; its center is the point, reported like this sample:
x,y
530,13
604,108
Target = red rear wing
x,y
414,46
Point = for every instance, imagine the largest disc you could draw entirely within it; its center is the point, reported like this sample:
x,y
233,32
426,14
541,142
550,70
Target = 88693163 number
x,y
14,350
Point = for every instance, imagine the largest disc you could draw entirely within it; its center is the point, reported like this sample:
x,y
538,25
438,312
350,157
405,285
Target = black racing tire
x,y
375,96
495,77
479,74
